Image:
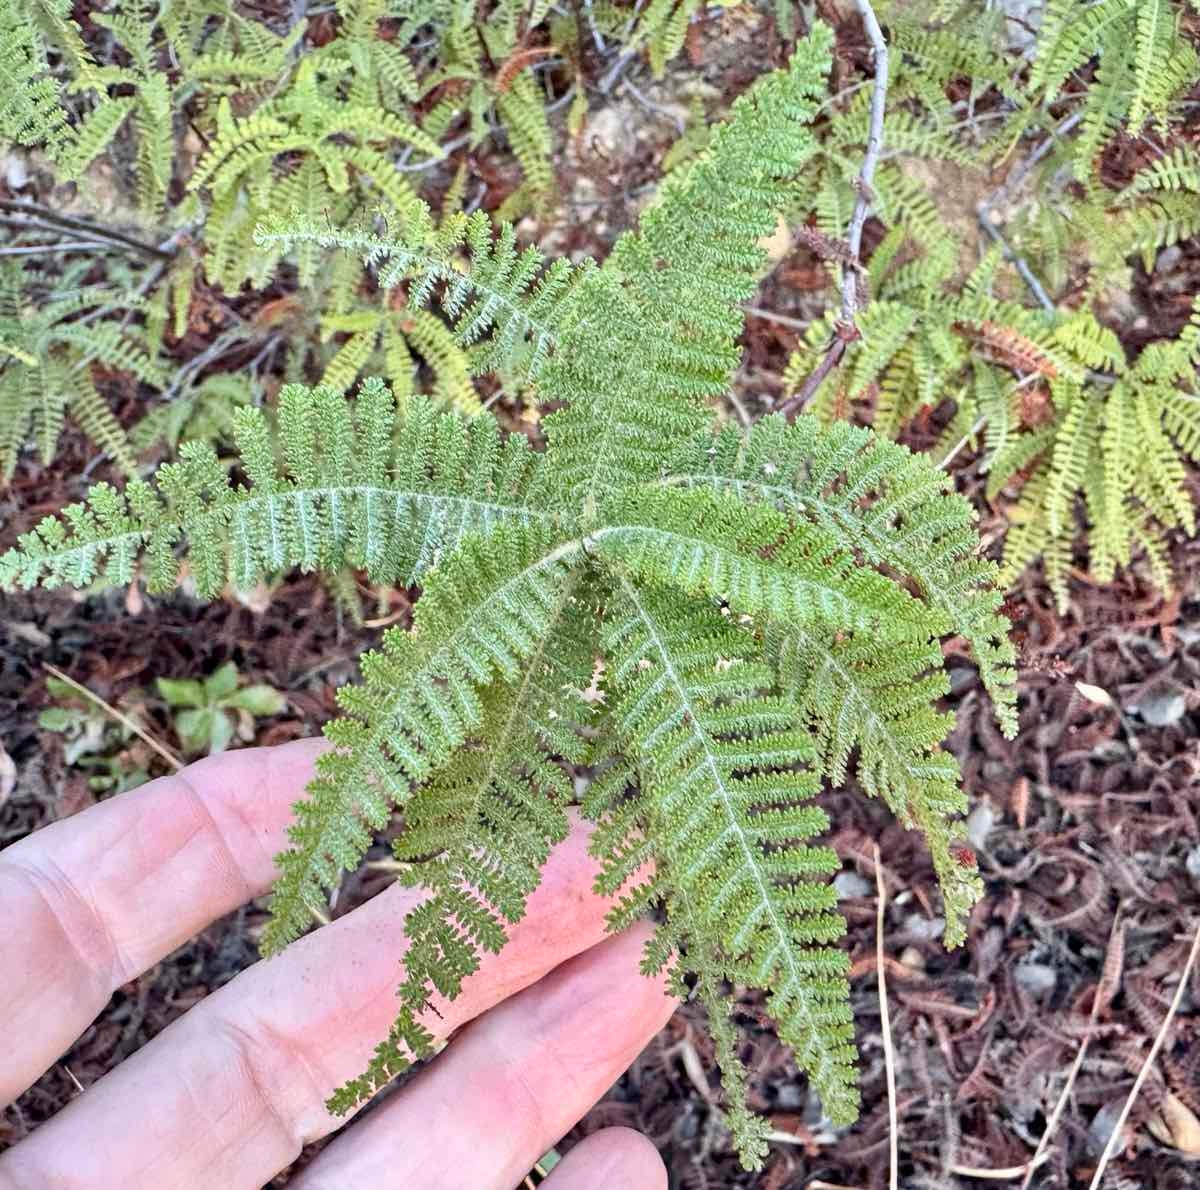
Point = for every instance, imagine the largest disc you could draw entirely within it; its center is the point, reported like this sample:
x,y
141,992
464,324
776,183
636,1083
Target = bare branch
x,y
614,72
63,246
852,266
866,175
1016,260
796,403
70,223
1021,172
990,227
956,450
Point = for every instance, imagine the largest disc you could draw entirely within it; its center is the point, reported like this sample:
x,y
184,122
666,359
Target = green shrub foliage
x,y
1085,444
750,613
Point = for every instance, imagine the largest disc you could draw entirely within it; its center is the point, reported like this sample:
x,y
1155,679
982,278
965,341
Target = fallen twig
x,y
63,246
84,227
885,1024
1115,1136
1016,260
123,719
796,324
1002,1174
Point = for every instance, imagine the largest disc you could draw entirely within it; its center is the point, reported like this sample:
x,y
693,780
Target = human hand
x,y
229,1093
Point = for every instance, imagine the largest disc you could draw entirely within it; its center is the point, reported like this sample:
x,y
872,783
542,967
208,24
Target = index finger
x,y
228,1094
91,902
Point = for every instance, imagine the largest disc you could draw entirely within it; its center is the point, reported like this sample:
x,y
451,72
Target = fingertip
x,y
611,1159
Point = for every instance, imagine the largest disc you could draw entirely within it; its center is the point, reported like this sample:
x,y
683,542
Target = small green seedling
x,y
209,714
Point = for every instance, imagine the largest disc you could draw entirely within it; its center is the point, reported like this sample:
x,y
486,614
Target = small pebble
x,y
789,1098
1168,258
16,171
979,824
1192,863
851,884
1038,979
1160,707
1103,1123
924,928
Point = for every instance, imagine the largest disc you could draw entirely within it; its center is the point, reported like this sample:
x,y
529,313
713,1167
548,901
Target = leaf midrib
x,y
733,827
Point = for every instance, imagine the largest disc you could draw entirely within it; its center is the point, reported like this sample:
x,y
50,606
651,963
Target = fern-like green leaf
x,y
478,833
755,558
881,500
345,493
723,806
750,613
481,615
672,328
859,698
31,108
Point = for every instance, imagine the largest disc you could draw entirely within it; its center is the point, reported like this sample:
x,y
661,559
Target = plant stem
x,y
852,268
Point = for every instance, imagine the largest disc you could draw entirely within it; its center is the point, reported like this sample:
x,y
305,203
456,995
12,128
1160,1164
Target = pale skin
x,y
228,1095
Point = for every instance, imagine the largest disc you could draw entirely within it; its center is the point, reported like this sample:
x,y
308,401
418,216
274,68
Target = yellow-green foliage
x,y
1135,57
212,121
281,124
1143,62
1097,234
331,147
48,344
31,110
134,113
1114,454
1048,397
384,338
928,335
1044,390
659,26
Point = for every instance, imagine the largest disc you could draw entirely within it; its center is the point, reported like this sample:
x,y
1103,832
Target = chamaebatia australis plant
x,y
746,610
